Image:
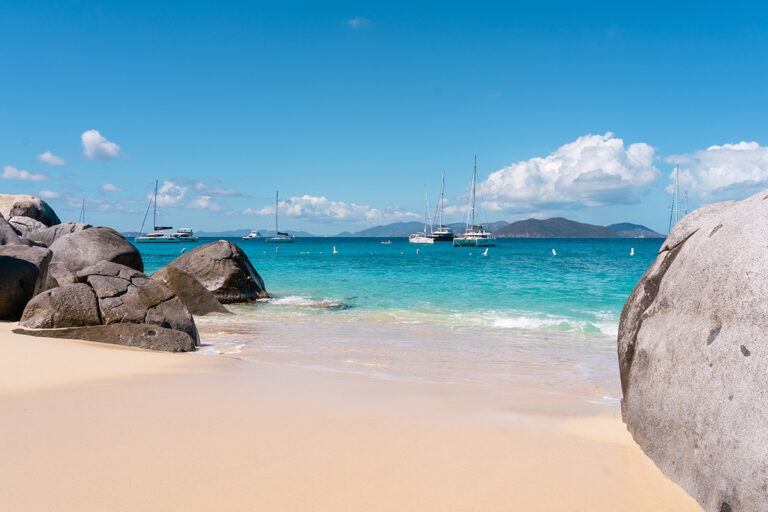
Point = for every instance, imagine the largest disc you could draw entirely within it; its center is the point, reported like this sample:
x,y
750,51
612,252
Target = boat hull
x,y
140,240
474,242
448,237
279,240
421,241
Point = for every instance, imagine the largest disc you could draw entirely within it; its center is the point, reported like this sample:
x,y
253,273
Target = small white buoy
x,y
184,249
470,254
486,252
632,251
554,252
401,253
334,250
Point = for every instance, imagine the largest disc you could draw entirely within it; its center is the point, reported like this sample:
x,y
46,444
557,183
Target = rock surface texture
x,y
26,226
693,356
223,269
49,235
194,295
80,249
68,306
23,274
25,205
130,335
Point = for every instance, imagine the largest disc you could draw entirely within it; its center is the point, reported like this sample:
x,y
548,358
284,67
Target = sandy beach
x,y
93,427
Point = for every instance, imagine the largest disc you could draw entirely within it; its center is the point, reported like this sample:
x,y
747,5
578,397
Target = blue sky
x,y
348,108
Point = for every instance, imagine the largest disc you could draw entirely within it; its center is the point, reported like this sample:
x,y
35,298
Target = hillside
x,y
557,227
627,230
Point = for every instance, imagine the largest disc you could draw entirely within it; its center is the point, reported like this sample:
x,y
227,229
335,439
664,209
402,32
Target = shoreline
x,y
94,427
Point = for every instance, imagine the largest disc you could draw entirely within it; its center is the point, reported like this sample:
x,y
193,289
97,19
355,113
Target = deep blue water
x,y
519,284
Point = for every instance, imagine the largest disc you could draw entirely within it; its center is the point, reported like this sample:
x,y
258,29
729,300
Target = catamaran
x,y
426,236
156,236
441,232
474,235
279,238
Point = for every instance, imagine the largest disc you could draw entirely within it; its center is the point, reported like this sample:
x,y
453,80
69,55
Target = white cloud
x,y
204,203
51,159
209,190
593,170
109,187
729,171
314,207
169,194
358,22
96,147
48,194
12,173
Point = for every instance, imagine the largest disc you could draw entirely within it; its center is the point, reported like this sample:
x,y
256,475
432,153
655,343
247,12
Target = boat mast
x,y
82,213
426,211
474,186
276,196
677,193
442,196
154,213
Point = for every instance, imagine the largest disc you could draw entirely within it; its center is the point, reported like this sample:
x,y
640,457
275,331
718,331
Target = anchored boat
x,y
426,236
157,235
441,232
474,235
279,238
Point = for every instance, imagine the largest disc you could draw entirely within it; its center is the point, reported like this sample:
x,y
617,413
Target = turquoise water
x,y
518,319
519,284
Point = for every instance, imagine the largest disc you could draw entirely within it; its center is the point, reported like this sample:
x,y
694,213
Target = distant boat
x,y
474,235
185,235
386,242
426,236
254,235
279,238
157,235
441,232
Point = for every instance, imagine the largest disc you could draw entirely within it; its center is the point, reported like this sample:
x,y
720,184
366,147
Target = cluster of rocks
x,y
74,280
693,356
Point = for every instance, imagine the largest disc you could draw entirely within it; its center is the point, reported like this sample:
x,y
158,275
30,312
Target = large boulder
x,y
80,249
68,306
693,356
26,225
23,274
223,269
25,205
49,235
194,295
126,295
9,235
131,335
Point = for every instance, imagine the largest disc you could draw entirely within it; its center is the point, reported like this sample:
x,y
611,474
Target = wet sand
x,y
89,427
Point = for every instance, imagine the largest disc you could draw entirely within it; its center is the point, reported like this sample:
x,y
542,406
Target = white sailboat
x,y
157,235
426,236
185,235
474,235
254,235
441,232
279,238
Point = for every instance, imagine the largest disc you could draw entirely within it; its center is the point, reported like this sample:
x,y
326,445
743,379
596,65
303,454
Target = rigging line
x,y
141,230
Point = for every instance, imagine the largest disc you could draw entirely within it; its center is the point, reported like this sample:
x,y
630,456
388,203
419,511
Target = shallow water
x,y
519,316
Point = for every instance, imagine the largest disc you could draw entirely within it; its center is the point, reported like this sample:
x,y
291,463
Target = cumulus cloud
x,y
593,170
318,207
204,203
358,22
170,194
109,187
97,147
12,173
51,159
729,171
48,194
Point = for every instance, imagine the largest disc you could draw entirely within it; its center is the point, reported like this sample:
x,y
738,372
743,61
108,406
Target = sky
x,y
349,109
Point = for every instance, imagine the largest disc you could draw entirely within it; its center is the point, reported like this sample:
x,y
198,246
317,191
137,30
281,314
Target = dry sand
x,y
89,427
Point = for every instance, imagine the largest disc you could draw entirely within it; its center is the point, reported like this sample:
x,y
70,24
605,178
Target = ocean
x,y
519,316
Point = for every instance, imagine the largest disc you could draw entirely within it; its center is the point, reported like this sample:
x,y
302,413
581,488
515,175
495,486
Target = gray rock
x,y
9,235
223,269
69,306
194,295
81,249
25,205
693,354
49,235
26,226
23,274
132,335
127,296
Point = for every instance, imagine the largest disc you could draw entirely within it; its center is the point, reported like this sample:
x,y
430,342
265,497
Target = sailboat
x,y
156,236
674,210
279,238
474,235
441,232
426,236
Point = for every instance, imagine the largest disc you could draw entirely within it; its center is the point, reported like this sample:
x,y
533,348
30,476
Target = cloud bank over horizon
x,y
320,208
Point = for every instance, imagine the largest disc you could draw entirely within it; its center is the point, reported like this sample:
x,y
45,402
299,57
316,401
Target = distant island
x,y
557,227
